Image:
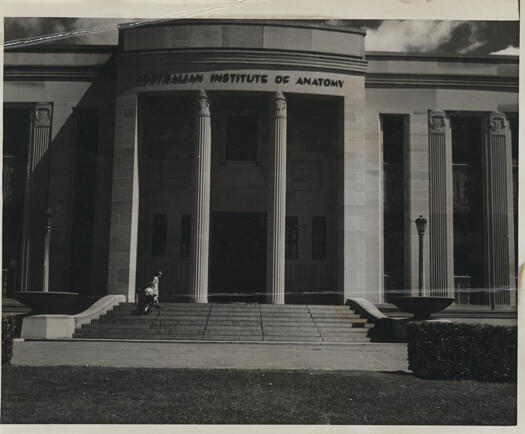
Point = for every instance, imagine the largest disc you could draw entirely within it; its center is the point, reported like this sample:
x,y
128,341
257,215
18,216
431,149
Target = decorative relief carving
x,y
279,105
497,123
204,104
436,122
43,115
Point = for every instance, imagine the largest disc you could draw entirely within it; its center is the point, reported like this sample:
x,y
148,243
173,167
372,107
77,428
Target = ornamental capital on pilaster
x,y
497,123
203,104
279,105
42,114
436,122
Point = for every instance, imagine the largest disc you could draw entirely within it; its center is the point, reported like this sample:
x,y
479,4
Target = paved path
x,y
370,357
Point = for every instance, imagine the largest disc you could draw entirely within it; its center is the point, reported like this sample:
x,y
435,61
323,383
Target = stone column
x,y
122,263
277,204
35,196
201,210
440,224
499,252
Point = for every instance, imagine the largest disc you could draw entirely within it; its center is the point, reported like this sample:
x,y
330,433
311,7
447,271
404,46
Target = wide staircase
x,y
230,322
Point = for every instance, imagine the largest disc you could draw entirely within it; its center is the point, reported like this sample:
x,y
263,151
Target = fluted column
x,y
201,210
497,210
277,204
35,196
441,206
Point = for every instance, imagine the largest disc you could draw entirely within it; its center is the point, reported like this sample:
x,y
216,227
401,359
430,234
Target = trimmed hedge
x,y
8,333
457,351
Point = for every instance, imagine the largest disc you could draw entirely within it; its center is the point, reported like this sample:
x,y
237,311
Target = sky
x,y
426,36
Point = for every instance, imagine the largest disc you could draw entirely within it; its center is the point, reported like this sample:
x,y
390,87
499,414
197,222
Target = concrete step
x,y
256,338
150,320
334,315
235,317
233,332
232,308
345,339
236,322
148,331
288,323
289,319
328,321
345,327
145,337
233,320
289,326
299,338
219,329
321,309
287,332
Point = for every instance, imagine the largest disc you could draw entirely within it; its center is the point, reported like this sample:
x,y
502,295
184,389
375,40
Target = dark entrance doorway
x,y
238,257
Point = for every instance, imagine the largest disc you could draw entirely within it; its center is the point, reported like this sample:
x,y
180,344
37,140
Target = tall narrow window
x,y
467,181
85,184
241,138
319,238
185,236
292,238
394,203
159,236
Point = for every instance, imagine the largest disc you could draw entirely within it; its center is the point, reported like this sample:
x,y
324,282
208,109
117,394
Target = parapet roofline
x,y
47,47
398,55
299,23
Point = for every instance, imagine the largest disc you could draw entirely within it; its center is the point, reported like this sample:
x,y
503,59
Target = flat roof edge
x,y
397,55
59,48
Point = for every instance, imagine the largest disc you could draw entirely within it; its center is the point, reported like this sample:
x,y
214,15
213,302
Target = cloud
x,y
509,51
63,30
414,36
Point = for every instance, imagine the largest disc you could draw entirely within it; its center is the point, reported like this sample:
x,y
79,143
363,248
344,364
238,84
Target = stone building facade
x,y
266,161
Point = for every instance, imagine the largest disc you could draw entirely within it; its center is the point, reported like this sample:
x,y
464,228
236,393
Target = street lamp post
x,y
421,224
47,238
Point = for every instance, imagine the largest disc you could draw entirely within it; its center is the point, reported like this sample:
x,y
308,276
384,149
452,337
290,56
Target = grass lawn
x,y
183,396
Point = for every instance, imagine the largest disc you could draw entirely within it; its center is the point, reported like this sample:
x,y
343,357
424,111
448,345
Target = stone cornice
x,y
495,59
473,82
298,24
51,48
269,59
55,73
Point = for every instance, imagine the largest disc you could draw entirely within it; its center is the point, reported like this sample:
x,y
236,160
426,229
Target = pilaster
x,y
440,205
123,235
499,249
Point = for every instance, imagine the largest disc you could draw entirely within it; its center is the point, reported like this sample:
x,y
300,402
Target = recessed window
x,y
394,131
292,238
159,236
185,235
467,179
319,238
241,138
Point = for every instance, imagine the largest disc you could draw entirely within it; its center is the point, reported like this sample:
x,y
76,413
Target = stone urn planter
x,y
422,307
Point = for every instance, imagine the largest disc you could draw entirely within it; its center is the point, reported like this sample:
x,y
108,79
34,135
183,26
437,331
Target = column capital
x,y
279,105
497,123
43,114
203,104
436,121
